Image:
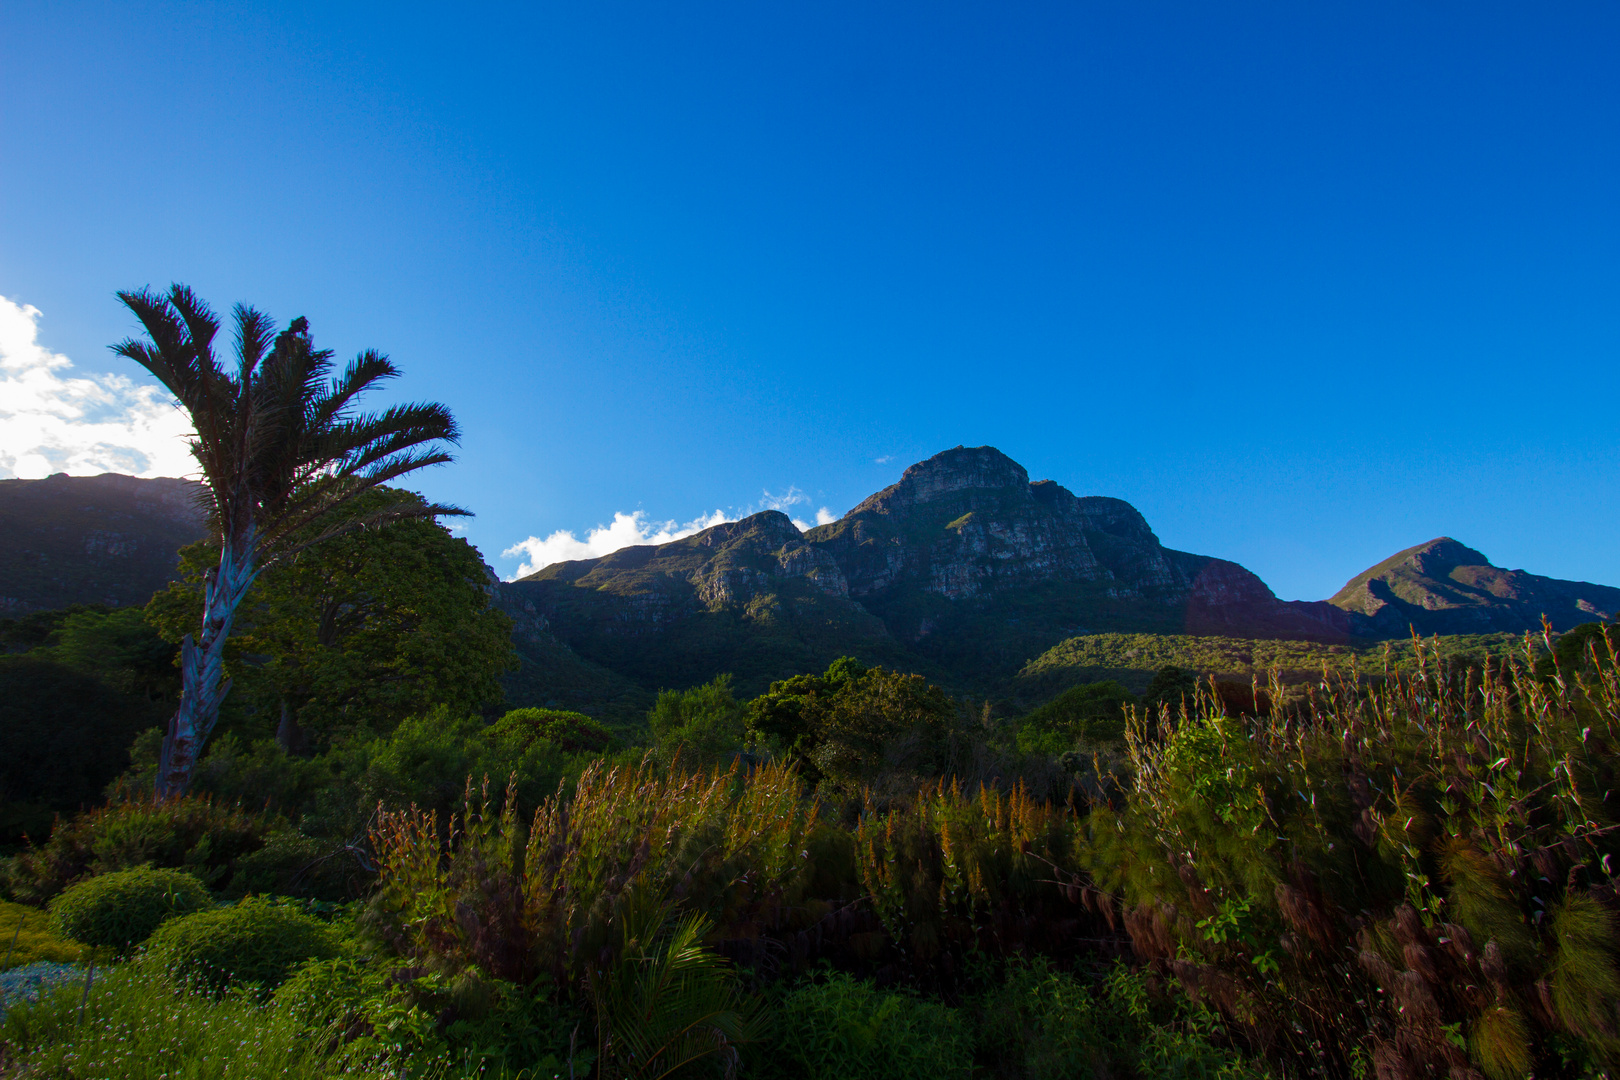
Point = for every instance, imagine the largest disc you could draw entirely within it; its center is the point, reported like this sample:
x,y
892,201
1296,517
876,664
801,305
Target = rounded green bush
x,y
840,1026
256,941
122,909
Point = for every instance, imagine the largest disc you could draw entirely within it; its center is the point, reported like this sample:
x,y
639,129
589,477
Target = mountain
x,y
107,539
964,569
1445,587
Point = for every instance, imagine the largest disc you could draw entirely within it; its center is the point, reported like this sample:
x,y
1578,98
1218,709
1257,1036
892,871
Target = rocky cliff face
x,y
1445,587
963,564
106,539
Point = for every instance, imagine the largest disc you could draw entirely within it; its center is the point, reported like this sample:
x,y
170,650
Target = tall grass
x,y
1410,875
481,890
1417,878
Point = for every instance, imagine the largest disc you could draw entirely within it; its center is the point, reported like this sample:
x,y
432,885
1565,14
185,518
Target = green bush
x,y
26,938
193,833
122,909
292,864
858,727
1080,716
704,724
1391,873
257,941
841,1027
1039,1023
570,731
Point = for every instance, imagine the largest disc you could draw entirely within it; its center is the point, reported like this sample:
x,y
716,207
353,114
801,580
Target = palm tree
x,y
280,445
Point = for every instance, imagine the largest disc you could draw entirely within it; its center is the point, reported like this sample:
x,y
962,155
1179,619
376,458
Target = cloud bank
x,y
635,527
51,422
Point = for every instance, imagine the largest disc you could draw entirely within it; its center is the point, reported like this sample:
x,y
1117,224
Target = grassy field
x,y
25,938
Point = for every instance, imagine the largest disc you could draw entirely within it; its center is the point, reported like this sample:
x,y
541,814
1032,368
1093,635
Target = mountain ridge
x,y
109,539
965,569
1446,587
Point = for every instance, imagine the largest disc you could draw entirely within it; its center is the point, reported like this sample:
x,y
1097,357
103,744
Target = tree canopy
x,y
853,725
359,631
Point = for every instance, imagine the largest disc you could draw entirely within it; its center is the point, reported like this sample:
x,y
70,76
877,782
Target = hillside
x,y
1444,587
107,539
1132,659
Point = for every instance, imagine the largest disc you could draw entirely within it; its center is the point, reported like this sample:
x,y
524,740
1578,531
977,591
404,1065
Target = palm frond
x,y
669,1001
363,372
255,332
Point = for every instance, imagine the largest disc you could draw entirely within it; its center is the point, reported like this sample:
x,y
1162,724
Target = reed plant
x,y
1415,878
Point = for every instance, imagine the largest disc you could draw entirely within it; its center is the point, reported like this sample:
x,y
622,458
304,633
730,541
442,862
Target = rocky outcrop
x,y
108,539
1446,587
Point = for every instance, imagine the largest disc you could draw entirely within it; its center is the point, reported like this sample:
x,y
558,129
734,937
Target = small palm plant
x,y
280,445
666,1002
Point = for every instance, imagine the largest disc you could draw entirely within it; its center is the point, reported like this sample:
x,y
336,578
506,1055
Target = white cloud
x,y
51,422
627,530
630,529
884,460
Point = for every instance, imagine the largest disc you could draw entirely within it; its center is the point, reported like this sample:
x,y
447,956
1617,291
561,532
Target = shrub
x,y
1039,1023
570,731
122,909
1419,874
194,833
292,864
486,1026
704,724
858,727
519,903
1082,715
428,759
256,941
26,938
839,1026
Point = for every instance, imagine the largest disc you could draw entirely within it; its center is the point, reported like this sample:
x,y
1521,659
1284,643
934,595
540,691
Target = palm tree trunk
x,y
201,666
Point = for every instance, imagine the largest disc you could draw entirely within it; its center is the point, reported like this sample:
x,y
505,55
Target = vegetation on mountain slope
x,y
1134,659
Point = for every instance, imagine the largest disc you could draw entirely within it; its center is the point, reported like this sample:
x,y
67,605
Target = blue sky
x,y
1306,284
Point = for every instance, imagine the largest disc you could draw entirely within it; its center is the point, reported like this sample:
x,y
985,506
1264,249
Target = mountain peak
x,y
962,468
1446,587
1443,554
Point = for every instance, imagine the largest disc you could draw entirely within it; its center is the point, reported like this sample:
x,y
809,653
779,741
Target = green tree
x,y
122,649
857,726
359,631
1080,718
704,724
279,445
1170,686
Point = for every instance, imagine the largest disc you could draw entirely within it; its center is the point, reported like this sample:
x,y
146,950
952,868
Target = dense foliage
x,y
255,941
853,726
76,686
196,834
355,633
122,909
1407,874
